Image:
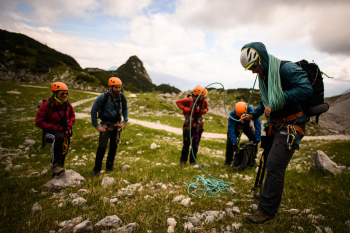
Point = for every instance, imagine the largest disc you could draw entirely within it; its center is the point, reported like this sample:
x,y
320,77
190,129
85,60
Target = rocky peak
x,y
135,65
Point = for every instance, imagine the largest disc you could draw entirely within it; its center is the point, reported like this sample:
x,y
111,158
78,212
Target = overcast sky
x,y
196,40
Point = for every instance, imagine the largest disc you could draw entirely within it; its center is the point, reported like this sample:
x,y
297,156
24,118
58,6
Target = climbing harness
x,y
65,145
212,187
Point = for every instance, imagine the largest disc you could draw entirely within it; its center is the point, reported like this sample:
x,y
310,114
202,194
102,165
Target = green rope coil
x,y
212,187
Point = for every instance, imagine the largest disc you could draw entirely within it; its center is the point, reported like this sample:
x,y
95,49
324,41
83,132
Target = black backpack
x,y
246,156
313,105
118,100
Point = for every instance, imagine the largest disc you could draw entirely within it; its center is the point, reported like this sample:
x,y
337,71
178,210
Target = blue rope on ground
x,y
212,187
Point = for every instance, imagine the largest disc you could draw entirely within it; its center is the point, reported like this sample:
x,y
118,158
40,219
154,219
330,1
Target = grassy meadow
x,y
304,189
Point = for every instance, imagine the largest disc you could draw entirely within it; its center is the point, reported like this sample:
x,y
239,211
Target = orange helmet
x,y
58,86
240,108
114,81
199,89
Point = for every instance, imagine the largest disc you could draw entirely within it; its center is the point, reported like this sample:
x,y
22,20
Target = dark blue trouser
x,y
277,162
186,141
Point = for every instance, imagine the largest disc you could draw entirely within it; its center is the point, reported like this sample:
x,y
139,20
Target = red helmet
x,y
114,81
58,86
240,108
199,89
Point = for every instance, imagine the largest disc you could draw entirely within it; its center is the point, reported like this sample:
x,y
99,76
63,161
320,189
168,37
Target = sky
x,y
194,41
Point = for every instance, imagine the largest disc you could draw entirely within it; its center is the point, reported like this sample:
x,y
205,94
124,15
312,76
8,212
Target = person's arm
x,y
124,111
183,103
232,127
256,113
71,120
95,107
41,118
297,79
206,107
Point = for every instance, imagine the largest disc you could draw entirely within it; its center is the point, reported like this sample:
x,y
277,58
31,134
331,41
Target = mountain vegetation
x,y
24,59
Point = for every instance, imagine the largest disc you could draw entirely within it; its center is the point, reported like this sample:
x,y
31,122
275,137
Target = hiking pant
x,y
277,161
102,146
57,139
247,130
186,141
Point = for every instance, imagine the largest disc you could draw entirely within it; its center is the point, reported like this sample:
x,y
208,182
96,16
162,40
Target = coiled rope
x,y
212,187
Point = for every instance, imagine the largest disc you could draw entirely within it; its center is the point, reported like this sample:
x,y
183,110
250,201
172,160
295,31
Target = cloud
x,y
122,8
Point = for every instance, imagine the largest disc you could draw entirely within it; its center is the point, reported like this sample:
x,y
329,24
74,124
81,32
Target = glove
x,y
186,110
235,147
205,111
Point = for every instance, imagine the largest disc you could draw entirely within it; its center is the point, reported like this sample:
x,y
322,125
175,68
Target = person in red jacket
x,y
56,117
199,110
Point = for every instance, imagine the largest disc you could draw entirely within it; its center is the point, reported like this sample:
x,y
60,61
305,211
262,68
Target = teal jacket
x,y
295,85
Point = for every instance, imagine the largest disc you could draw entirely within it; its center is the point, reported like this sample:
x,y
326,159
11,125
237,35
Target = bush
x,y
85,78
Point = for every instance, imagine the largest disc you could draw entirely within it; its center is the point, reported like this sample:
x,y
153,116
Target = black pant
x,y
186,146
276,165
247,130
57,139
101,150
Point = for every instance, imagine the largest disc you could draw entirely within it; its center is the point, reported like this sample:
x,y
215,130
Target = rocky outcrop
x,y
323,163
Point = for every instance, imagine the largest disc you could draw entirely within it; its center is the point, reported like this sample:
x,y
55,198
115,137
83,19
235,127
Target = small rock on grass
x,y
236,226
328,230
171,229
79,201
171,222
32,191
347,223
293,211
84,227
186,202
125,167
77,220
109,222
131,227
107,181
36,207
82,191
66,226
179,198
318,229
17,167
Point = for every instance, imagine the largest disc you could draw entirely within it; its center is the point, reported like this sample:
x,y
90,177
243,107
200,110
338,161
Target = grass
x,y
329,196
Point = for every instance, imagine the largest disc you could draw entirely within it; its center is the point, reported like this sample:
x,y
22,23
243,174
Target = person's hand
x,y
101,129
247,117
186,110
205,111
267,110
122,126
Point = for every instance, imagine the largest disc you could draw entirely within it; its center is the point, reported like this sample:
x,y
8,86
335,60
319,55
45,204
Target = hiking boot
x,y
95,174
260,217
57,169
182,163
226,164
111,169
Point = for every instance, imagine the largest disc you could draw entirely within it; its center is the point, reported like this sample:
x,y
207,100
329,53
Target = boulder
x,y
66,226
109,222
28,143
323,163
83,227
67,179
131,227
107,181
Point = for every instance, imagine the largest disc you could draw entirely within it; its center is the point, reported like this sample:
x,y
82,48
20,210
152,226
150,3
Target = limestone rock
x,y
171,229
194,220
82,192
131,227
254,206
36,207
186,202
236,226
171,222
188,226
33,174
67,179
293,211
323,163
32,191
318,229
66,226
209,220
17,167
179,198
109,222
8,167
45,170
153,146
306,211
79,201
83,227
28,143
206,165
328,230
107,181
347,223
236,209
77,220
125,167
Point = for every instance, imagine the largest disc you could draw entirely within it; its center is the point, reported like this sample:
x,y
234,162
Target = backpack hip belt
x,y
198,122
279,123
110,127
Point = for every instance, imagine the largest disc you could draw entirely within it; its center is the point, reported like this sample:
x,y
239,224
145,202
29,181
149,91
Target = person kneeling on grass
x,y
235,128
110,106
56,117
200,109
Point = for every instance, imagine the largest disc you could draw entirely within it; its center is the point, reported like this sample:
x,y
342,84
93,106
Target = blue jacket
x,y
109,109
232,125
295,85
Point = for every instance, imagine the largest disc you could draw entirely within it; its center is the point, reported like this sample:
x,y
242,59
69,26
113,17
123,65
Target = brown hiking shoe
x,y
57,169
260,217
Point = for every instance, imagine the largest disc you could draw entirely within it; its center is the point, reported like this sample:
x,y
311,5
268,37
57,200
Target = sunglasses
x,y
253,67
63,93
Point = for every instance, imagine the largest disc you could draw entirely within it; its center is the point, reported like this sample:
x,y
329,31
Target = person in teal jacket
x,y
253,134
289,86
111,106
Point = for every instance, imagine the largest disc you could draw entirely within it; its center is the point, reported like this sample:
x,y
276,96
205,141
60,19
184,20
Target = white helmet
x,y
248,57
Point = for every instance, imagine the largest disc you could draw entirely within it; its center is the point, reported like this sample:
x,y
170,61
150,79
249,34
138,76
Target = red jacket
x,y
55,118
197,112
